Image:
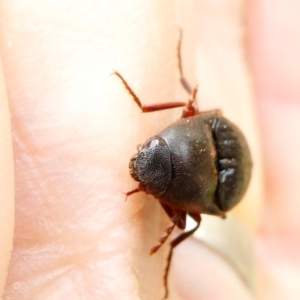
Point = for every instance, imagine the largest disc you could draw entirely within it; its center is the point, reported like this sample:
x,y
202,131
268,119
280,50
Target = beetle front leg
x,y
189,111
152,107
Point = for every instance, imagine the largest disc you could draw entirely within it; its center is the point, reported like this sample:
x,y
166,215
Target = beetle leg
x,y
148,108
171,213
161,106
178,219
183,80
131,192
127,87
174,243
191,109
140,188
169,210
162,239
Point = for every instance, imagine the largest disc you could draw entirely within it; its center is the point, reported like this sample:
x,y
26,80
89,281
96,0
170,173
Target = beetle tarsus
x,y
128,88
178,218
175,243
183,81
163,239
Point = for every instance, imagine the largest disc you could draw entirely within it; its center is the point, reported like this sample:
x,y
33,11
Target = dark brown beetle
x,y
201,164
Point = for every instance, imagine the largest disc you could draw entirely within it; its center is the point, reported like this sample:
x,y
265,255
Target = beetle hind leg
x,y
175,243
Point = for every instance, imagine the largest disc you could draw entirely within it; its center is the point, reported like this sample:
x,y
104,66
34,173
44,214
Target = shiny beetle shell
x,y
199,164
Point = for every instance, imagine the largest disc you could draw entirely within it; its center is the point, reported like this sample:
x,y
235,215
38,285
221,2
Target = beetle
x,y
201,164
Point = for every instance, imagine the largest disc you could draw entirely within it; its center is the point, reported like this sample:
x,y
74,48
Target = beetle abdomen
x,y
234,163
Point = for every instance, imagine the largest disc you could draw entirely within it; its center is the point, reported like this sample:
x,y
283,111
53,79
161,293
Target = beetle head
x,y
152,166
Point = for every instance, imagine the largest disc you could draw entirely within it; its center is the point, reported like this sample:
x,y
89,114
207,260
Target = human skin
x,y
74,128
